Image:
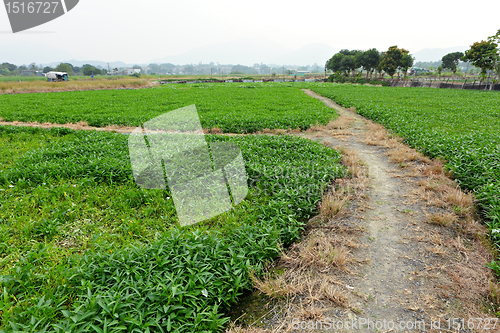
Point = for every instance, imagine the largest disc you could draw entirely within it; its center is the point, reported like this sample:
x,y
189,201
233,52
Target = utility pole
x,y
283,73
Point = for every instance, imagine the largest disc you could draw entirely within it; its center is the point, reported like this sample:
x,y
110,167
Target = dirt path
x,y
385,284
414,254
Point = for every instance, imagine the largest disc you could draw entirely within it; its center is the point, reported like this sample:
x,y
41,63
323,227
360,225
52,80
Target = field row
x,y
234,108
81,246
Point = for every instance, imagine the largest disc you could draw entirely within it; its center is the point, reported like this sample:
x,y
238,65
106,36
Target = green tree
x,y
406,62
496,39
483,54
64,67
439,69
450,61
369,60
155,68
89,70
343,61
334,63
9,66
47,69
348,64
393,59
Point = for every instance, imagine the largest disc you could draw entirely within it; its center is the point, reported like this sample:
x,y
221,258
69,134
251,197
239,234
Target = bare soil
x,y
405,247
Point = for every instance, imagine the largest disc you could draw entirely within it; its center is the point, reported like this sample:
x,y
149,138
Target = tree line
x,y
484,55
8,69
348,61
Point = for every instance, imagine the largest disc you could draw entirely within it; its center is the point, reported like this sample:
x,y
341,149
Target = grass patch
x,y
82,248
231,108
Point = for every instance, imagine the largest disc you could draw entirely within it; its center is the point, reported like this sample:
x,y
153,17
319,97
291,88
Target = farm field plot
x,y
234,108
83,248
463,127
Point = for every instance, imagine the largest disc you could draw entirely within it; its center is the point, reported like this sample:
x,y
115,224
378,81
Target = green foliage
x,y
344,61
369,60
483,54
460,126
340,78
89,70
65,67
450,61
394,59
233,108
84,249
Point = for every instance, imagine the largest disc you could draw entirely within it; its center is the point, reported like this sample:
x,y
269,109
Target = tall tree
x,y
9,66
64,67
450,61
483,54
89,70
369,60
335,62
496,39
392,60
47,69
348,64
406,62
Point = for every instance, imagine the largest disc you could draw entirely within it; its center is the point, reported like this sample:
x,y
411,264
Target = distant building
x,y
131,71
300,73
28,72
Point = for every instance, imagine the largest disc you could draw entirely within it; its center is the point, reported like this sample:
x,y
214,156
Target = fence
x,y
447,84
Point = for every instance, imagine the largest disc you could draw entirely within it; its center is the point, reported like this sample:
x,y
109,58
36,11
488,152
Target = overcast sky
x,y
138,31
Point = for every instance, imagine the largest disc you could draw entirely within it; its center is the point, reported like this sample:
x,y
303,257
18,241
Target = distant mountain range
x,y
436,53
247,51
244,51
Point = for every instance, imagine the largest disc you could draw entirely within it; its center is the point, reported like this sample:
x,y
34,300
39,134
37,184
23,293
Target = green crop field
x,y
234,108
82,248
461,126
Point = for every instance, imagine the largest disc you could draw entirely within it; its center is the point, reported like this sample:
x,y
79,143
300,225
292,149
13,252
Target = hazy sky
x,y
137,31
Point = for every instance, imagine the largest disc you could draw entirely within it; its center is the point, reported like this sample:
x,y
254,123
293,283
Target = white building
x,y
131,71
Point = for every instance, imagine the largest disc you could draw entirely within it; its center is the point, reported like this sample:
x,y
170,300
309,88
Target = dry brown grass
x,y
240,329
310,312
215,130
342,122
44,86
288,284
402,153
462,202
321,252
439,250
351,160
333,294
442,219
82,125
332,204
276,131
434,168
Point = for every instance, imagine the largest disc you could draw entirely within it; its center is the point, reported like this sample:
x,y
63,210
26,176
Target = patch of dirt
x,y
402,253
78,126
85,127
